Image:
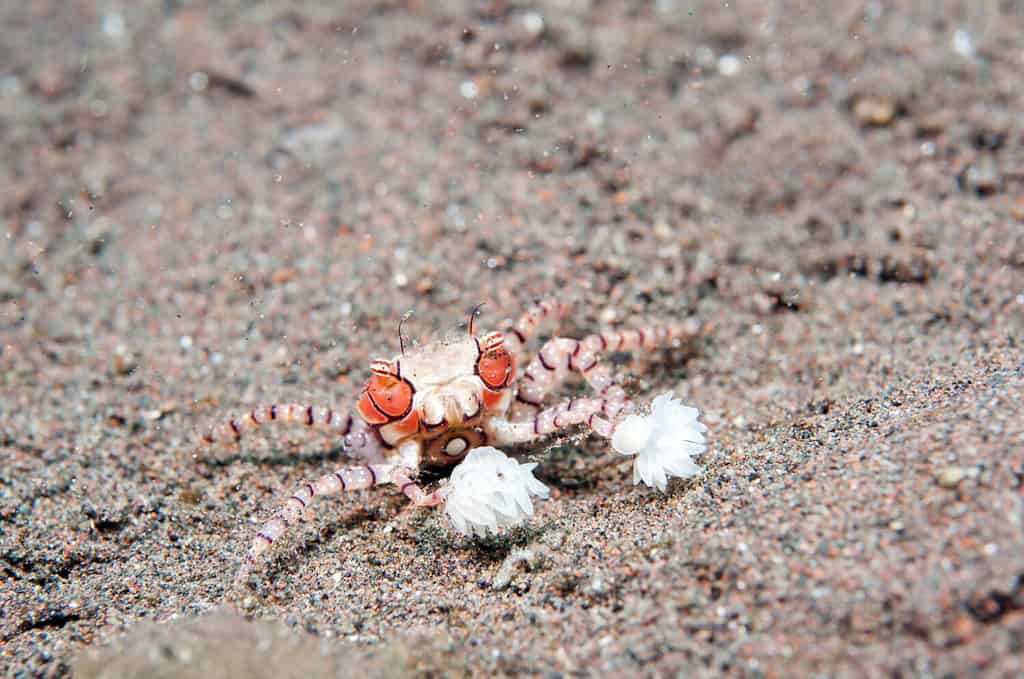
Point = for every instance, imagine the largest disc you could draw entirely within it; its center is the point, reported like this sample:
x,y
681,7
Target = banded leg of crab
x,y
560,357
520,333
419,497
597,413
359,439
297,506
232,430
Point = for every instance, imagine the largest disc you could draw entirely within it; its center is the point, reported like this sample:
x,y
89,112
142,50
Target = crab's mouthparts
x,y
456,412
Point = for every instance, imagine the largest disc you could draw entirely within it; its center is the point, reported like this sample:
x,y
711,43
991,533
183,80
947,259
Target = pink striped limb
x,y
597,413
359,439
419,497
561,358
520,333
232,430
297,506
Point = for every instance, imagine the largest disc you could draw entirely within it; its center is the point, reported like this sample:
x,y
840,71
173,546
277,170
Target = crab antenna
x,y
472,316
401,340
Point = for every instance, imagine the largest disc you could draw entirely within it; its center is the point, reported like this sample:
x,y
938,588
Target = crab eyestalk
x,y
492,341
380,366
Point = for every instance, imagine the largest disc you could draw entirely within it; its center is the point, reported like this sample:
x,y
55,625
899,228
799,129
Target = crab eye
x,y
495,369
385,398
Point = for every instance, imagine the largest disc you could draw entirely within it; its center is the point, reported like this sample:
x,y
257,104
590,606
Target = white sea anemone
x,y
664,442
489,491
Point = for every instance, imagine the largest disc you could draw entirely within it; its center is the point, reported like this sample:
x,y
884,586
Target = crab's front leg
x,y
419,497
561,358
298,504
557,361
597,413
663,442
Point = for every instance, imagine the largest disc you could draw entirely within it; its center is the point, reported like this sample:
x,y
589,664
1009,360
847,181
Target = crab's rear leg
x,y
560,358
360,440
520,333
298,505
231,430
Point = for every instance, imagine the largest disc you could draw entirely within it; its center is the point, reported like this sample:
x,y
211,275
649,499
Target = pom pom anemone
x,y
489,491
664,442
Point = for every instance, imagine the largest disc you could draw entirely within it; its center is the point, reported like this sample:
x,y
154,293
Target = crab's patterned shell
x,y
439,390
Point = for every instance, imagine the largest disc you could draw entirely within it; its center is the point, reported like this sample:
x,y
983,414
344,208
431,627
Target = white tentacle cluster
x,y
664,442
489,491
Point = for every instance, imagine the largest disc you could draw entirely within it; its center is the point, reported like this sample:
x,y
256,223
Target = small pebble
x,y
533,22
469,90
951,477
982,178
503,578
874,111
1017,209
729,65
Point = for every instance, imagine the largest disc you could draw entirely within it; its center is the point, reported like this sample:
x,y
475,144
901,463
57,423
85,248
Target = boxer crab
x,y
447,403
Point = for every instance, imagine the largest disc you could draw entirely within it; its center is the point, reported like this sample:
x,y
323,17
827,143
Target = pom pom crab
x,y
432,406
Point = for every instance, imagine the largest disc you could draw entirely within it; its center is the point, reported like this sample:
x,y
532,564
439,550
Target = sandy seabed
x,y
209,207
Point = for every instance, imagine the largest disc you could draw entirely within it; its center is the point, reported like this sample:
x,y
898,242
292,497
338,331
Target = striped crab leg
x,y
360,439
401,477
561,358
231,430
599,414
297,505
520,332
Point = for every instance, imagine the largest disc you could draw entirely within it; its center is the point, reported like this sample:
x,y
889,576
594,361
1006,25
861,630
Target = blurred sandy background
x,y
205,206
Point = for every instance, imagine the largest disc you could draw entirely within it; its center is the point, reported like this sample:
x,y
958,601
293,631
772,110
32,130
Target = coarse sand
x,y
207,206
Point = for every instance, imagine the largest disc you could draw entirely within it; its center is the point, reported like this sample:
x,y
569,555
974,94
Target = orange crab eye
x,y
495,369
385,398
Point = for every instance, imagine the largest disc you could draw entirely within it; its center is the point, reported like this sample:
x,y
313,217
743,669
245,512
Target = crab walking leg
x,y
560,357
297,505
231,431
520,333
597,413
419,497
